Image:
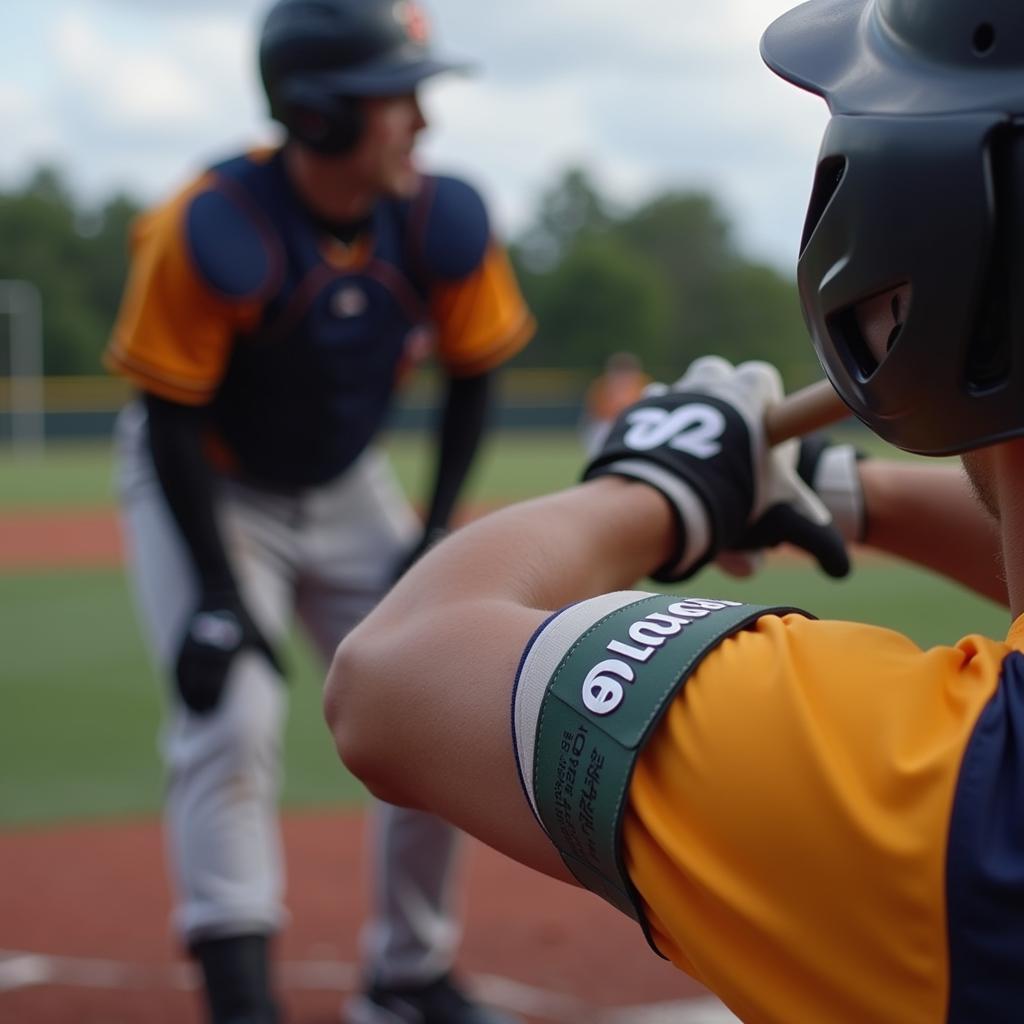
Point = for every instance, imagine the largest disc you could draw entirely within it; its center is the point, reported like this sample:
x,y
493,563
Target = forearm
x,y
545,553
175,435
462,426
926,513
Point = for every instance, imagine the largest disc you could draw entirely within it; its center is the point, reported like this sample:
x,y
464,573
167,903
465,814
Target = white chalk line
x,y
21,970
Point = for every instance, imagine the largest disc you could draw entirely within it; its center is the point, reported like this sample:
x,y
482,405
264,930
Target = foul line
x,y
21,970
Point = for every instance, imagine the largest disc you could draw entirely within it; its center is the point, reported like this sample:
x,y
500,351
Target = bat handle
x,y
803,412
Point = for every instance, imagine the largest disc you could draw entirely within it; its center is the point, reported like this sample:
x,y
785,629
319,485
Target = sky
x,y
138,95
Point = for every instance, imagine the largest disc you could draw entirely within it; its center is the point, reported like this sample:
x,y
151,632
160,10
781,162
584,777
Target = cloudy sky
x,y
648,94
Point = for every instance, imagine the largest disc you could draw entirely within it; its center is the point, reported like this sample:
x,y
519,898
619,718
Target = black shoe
x,y
440,1002
236,977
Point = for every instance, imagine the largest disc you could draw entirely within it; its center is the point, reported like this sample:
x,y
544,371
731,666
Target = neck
x,y
325,186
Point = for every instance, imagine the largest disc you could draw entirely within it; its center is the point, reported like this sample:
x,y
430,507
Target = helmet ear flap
x,y
327,124
1001,314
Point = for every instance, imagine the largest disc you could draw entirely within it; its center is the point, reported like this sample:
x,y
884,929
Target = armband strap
x,y
604,699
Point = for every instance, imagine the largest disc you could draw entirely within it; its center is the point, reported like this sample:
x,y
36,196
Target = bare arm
x,y
418,696
927,514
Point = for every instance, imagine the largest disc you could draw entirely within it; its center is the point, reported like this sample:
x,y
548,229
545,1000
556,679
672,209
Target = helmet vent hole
x,y
849,340
868,330
984,39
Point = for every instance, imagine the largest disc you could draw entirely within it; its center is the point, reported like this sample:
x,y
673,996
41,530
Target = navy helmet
x,y
318,57
919,187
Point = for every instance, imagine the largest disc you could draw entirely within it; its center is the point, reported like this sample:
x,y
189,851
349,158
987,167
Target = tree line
x,y
664,279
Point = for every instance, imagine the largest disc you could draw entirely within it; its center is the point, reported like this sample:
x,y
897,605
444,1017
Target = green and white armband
x,y
591,688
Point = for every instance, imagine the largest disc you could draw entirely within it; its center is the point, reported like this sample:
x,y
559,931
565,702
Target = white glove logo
x,y
694,429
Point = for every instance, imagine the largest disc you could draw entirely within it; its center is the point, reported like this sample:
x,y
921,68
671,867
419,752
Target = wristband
x,y
837,482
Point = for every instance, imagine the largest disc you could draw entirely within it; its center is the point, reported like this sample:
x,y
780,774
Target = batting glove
x,y
219,628
831,471
701,444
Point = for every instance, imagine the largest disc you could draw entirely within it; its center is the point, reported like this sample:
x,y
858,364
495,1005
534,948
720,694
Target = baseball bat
x,y
803,412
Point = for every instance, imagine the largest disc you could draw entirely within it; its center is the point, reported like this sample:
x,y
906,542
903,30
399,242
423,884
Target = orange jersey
x,y
825,823
238,299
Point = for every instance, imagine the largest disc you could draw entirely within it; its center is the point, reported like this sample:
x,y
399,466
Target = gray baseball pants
x,y
324,555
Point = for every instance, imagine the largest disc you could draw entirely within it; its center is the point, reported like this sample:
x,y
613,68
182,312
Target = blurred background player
x,y
270,310
620,384
818,819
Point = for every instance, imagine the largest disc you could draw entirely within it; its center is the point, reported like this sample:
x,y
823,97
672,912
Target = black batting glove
x,y
430,537
701,444
217,630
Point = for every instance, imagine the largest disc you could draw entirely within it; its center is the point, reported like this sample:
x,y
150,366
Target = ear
x,y
327,124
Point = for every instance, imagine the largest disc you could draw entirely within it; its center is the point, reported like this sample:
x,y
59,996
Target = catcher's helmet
x,y
920,185
317,57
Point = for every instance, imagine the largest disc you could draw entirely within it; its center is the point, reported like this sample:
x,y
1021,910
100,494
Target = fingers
x,y
741,564
790,487
705,372
759,382
784,524
821,541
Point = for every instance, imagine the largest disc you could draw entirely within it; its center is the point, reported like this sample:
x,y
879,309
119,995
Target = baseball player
x,y
272,307
619,385
819,820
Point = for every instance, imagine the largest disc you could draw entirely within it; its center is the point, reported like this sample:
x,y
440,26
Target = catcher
x,y
818,820
271,311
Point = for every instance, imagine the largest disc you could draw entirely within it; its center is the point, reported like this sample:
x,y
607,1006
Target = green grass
x,y
69,475
82,705
510,466
79,735
927,608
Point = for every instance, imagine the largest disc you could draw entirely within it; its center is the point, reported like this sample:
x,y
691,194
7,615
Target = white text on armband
x,y
603,689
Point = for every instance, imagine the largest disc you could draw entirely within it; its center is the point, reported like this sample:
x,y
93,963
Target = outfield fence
x,y
84,408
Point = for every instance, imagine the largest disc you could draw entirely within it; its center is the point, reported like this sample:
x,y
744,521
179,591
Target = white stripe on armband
x,y
548,648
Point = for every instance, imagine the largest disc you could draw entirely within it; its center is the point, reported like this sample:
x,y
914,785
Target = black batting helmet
x,y
317,57
919,186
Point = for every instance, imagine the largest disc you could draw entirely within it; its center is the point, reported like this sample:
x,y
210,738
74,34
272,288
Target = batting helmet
x,y
317,57
919,186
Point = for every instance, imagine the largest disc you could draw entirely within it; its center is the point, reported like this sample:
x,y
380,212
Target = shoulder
x,y
450,225
230,242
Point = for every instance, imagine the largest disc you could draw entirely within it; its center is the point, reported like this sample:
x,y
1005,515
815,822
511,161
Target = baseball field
x,y
84,934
